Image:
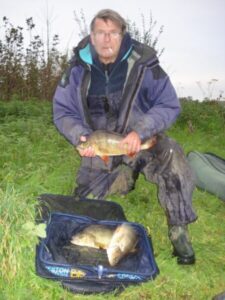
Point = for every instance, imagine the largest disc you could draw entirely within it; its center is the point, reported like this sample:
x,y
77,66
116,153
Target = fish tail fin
x,y
149,143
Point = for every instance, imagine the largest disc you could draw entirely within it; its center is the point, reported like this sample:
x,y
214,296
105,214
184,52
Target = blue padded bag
x,y
58,259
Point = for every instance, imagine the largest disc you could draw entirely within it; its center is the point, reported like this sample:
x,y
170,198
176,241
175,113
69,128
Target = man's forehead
x,y
106,23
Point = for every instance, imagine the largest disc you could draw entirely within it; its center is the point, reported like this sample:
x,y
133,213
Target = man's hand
x,y
88,152
131,142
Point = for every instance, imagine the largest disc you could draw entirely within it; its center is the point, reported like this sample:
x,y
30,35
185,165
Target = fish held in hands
x,y
107,144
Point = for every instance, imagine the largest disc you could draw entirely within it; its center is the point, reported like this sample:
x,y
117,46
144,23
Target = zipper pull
x,y
107,68
107,76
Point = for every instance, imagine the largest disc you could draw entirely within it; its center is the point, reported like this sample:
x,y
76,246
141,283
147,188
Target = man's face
x,y
106,38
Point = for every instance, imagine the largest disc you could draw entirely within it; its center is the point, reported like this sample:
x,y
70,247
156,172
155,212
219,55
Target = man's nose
x,y
107,36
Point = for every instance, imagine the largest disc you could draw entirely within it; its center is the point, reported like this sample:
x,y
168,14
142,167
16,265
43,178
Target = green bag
x,y
209,171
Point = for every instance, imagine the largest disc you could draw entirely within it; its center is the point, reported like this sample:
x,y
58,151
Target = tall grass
x,y
36,159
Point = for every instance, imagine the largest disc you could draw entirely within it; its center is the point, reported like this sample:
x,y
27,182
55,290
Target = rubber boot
x,y
178,236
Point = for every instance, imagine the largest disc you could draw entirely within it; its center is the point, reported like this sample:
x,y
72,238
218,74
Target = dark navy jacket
x,y
135,95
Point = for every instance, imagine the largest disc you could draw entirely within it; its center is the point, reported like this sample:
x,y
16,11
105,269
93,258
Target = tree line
x,y
31,70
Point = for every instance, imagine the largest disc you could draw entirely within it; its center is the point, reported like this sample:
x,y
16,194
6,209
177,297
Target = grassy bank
x,y
36,159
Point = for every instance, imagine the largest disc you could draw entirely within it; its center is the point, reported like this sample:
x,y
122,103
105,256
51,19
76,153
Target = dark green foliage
x,y
28,109
207,116
28,71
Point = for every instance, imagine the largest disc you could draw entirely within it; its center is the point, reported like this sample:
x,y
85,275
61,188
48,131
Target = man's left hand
x,y
131,142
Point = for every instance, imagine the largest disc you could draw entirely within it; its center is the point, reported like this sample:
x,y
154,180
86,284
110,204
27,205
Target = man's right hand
x,y
88,152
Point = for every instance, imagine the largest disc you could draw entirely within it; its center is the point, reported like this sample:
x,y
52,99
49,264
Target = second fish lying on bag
x,y
117,242
123,242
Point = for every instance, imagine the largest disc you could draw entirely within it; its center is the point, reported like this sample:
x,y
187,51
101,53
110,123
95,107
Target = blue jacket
x,y
147,100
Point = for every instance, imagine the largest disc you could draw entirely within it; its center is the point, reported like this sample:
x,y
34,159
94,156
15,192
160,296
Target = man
x,y
115,83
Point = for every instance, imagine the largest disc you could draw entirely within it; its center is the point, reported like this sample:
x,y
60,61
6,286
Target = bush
x,y
208,116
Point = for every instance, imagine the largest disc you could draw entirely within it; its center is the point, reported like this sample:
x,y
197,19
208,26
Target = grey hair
x,y
109,14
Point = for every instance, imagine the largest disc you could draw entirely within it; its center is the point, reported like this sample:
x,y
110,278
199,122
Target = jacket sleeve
x,y
68,114
158,103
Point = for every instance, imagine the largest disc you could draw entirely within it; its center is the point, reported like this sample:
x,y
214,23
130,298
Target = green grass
x,y
36,159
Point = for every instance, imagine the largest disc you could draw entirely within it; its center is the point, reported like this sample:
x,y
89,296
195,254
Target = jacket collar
x,y
87,53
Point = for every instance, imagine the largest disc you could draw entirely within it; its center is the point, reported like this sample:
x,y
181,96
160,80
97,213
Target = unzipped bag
x,y
84,269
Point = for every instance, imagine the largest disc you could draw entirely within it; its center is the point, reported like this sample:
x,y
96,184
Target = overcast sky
x,y
193,35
